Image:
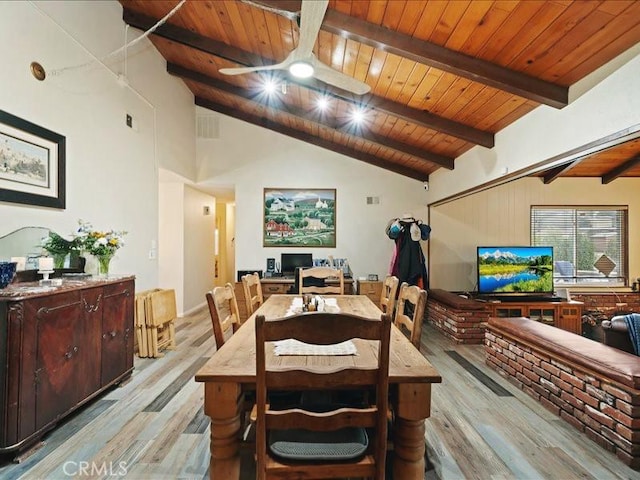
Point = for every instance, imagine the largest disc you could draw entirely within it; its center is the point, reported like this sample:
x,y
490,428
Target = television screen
x,y
290,261
515,270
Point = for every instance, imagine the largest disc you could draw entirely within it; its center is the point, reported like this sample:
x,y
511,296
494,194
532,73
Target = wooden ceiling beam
x,y
428,53
422,118
557,172
614,173
192,39
241,57
306,137
438,160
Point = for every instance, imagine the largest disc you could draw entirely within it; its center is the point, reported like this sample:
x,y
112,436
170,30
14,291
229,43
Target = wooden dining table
x,y
231,372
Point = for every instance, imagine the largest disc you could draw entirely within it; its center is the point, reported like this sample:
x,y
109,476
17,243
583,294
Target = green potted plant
x,y
59,247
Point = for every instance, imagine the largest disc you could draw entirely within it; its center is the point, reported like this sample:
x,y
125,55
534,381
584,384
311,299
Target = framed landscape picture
x,y
299,217
32,163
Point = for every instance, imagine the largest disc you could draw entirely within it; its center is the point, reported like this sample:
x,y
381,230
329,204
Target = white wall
x,y
171,239
186,246
252,158
199,259
230,241
500,216
112,170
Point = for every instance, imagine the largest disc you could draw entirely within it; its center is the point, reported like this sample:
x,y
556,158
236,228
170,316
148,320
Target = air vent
x,y
373,200
208,126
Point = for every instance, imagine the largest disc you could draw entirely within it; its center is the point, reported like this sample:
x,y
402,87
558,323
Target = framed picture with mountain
x,y
299,217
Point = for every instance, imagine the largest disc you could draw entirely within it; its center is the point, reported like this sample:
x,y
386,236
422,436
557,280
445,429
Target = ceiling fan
x,y
301,62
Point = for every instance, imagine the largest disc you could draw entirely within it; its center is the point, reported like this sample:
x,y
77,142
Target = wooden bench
x,y
594,387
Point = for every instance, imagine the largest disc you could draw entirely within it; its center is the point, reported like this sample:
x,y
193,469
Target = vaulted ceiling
x,y
444,76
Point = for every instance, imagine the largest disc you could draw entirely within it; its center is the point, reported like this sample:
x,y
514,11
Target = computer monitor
x,y
290,261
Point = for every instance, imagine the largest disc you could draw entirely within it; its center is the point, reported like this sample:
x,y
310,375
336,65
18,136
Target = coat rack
x,y
408,261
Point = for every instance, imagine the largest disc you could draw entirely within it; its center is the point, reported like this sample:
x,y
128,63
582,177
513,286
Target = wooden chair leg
x,y
172,335
154,343
141,336
145,339
149,342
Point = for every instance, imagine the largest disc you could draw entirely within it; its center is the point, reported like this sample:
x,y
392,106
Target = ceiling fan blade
x,y
277,66
326,74
311,16
241,70
293,16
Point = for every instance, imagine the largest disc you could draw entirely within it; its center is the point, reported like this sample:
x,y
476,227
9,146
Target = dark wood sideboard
x,y
59,347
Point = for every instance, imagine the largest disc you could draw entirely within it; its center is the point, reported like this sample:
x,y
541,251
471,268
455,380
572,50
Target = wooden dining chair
x,y
412,301
331,441
389,293
252,292
323,273
223,308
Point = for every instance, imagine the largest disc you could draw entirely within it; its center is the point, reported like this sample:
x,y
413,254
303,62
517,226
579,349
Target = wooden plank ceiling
x,y
445,76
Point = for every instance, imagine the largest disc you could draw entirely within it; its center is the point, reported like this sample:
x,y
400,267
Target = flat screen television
x,y
515,270
290,261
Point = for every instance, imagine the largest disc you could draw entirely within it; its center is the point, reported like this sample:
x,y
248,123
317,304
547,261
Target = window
x,y
590,244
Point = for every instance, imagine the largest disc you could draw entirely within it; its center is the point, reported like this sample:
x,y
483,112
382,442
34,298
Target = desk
x,y
281,286
232,370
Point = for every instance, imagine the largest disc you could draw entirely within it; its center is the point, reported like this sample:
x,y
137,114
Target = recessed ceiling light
x,y
357,115
301,69
270,86
322,102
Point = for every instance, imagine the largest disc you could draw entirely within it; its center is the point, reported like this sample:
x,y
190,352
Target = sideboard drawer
x,y
275,288
372,289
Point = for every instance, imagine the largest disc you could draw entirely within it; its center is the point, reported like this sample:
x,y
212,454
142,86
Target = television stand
x,y
519,298
563,314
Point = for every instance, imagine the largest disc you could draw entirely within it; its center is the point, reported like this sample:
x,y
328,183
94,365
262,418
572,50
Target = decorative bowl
x,y
7,271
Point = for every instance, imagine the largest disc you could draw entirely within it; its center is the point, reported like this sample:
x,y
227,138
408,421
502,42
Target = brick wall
x,y
460,325
466,326
609,303
608,413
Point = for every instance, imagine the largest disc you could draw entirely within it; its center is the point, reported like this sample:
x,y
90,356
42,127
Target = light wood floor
x,y
153,427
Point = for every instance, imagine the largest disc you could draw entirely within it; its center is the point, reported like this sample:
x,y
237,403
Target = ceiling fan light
x,y
301,69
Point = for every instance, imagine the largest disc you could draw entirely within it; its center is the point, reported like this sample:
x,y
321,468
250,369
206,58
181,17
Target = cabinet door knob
x,y
70,353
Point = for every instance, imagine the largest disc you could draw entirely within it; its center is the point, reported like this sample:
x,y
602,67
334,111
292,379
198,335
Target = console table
x,y
279,286
59,347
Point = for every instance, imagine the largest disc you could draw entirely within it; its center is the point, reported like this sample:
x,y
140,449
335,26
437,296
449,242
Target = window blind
x,y
589,243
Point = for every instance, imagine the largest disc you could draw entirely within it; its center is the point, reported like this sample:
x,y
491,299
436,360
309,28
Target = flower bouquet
x,y
101,244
